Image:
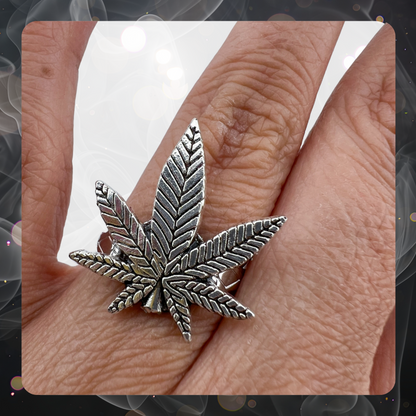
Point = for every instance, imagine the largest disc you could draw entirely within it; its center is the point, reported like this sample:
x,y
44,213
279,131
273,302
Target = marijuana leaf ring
x,y
164,263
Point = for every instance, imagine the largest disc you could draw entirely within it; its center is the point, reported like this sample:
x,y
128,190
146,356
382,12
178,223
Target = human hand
x,y
322,290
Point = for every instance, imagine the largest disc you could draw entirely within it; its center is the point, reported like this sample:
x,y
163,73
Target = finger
x,y
383,373
323,289
253,103
51,56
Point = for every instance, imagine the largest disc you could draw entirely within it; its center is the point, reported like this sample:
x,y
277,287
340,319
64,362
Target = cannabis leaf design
x,y
164,263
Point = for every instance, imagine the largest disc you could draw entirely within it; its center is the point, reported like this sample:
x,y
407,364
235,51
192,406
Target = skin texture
x,y
322,290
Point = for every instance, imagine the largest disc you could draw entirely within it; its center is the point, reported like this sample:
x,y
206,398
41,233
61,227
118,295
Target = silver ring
x,y
229,280
164,263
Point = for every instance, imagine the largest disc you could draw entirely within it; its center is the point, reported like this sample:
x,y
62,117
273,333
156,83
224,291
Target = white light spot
x,y
17,233
359,50
163,56
348,61
133,39
174,73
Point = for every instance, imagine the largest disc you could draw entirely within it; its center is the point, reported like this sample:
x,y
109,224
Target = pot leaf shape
x,y
165,257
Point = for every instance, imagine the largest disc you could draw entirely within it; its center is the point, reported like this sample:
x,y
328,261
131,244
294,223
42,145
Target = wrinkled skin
x,y
322,289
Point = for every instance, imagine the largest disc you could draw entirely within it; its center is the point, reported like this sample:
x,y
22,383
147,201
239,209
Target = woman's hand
x,y
322,289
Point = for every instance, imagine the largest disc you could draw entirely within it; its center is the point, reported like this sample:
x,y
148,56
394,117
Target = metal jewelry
x,y
164,263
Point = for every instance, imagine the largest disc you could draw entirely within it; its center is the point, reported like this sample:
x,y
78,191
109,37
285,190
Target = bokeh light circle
x,y
133,39
359,50
380,19
232,403
281,17
17,233
348,61
400,101
174,73
163,56
303,3
413,216
150,18
251,403
150,103
356,7
16,383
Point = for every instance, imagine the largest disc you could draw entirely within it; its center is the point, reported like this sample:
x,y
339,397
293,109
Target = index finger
x,y
51,55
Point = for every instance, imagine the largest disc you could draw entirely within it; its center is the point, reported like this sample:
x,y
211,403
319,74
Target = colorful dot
x,y
8,243
413,217
380,19
16,383
251,403
232,403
